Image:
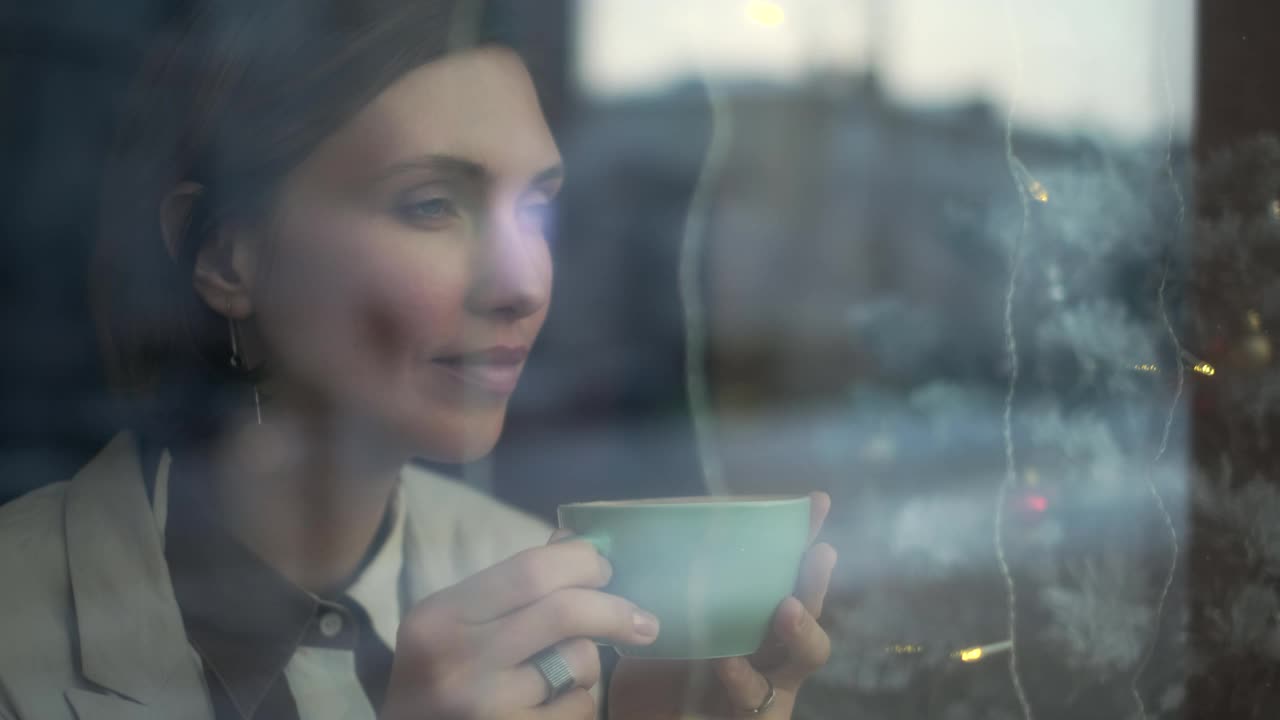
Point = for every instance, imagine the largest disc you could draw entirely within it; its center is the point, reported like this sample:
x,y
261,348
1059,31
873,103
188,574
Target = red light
x,y
1036,503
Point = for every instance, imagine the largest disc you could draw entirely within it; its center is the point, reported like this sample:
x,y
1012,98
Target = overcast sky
x,y
1093,64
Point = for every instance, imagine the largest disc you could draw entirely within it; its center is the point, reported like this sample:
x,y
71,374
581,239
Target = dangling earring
x,y
237,362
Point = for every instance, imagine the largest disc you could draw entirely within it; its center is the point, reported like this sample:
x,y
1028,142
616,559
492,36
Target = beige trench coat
x,y
89,627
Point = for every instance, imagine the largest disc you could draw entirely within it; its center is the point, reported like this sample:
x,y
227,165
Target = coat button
x,y
330,624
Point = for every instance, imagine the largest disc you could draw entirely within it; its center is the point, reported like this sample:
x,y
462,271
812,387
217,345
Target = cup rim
x,y
692,501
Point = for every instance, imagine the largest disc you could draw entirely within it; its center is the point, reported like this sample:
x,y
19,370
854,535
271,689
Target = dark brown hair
x,y
234,95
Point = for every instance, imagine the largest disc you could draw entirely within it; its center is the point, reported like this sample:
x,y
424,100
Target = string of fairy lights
x,y
1190,362
1037,191
971,654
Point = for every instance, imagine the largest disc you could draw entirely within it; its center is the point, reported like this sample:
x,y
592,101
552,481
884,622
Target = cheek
x,y
354,307
404,310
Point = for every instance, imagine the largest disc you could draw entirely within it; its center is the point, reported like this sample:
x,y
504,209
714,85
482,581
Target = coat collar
x,y
132,641
132,638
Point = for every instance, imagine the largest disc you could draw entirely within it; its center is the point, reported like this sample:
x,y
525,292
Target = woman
x,y
323,254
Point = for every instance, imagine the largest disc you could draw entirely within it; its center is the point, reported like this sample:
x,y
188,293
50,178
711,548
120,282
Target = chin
x,y
458,440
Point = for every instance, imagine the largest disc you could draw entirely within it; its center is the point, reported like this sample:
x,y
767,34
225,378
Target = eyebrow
x,y
468,170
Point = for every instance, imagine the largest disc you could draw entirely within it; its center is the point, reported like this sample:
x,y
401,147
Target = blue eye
x,y
430,209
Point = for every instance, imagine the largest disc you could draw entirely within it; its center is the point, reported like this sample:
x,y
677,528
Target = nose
x,y
513,269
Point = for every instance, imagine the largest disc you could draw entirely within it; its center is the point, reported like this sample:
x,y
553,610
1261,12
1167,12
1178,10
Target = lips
x,y
496,369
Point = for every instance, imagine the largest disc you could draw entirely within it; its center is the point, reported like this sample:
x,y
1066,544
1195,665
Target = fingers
x,y
524,685
464,651
819,507
444,668
523,579
815,577
569,613
807,645
744,686
577,704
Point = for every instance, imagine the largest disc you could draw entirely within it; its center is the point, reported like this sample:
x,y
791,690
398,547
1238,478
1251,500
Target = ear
x,y
225,261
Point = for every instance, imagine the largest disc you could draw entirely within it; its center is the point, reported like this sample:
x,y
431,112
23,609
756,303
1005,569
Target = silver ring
x,y
555,671
768,700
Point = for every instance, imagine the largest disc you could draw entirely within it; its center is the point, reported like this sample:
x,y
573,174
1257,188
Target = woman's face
x,y
407,270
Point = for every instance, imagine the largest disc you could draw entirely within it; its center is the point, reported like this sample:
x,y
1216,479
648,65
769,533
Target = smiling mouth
x,y
496,370
495,377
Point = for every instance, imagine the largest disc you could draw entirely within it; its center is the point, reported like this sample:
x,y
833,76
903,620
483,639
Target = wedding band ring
x,y
768,700
551,664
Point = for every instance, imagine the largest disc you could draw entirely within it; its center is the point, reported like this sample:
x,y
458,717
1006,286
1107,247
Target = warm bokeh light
x,y
765,14
1038,191
974,654
1147,367
1204,368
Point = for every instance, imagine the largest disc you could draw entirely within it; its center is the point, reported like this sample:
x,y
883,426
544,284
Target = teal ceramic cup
x,y
713,570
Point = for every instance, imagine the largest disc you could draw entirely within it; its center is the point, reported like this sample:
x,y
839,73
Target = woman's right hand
x,y
464,651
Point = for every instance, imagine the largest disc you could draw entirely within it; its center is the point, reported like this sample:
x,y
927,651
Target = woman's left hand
x,y
734,687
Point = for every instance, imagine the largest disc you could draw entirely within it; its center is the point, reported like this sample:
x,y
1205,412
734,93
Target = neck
x,y
304,491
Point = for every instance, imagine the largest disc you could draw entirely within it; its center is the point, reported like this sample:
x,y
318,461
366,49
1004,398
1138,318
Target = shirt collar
x,y
378,587
243,617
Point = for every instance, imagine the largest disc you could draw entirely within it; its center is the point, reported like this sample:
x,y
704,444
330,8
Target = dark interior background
x,y
1237,101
